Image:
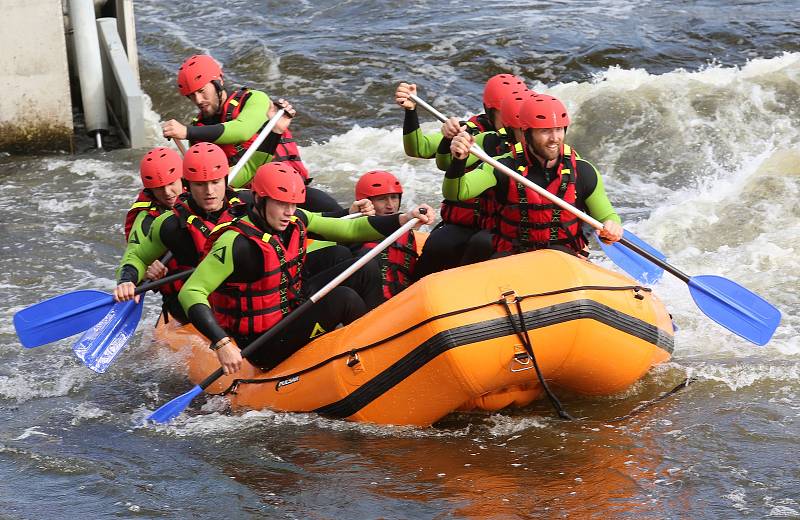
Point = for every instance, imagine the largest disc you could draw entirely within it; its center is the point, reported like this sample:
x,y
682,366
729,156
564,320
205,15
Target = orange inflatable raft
x,y
453,341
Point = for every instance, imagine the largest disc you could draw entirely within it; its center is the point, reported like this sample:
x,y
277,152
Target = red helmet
x,y
159,167
376,183
280,181
511,105
543,111
205,162
196,71
497,87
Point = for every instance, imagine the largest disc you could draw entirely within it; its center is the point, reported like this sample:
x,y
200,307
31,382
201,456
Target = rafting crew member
x,y
397,261
233,120
254,270
162,179
526,220
185,229
463,236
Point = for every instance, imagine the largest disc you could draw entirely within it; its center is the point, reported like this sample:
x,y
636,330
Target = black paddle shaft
x,y
659,262
180,275
261,340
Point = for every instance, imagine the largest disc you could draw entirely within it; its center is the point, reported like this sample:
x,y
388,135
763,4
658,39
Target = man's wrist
x,y
221,343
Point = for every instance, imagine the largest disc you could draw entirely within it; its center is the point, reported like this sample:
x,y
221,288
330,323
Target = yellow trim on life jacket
x,y
222,225
143,204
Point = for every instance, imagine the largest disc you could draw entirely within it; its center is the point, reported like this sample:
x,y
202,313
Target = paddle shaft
x,y
482,155
254,147
180,145
180,275
288,320
103,302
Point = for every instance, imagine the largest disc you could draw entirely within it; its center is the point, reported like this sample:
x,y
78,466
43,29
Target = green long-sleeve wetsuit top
x,y
494,142
168,233
139,230
434,144
590,193
415,143
251,118
243,260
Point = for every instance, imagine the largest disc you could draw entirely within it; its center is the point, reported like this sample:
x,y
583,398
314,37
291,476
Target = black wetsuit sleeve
x,y
456,168
410,121
270,144
385,225
128,273
339,213
205,133
202,317
444,146
587,181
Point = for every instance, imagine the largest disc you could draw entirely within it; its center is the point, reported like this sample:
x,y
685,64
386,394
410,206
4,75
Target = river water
x,y
691,112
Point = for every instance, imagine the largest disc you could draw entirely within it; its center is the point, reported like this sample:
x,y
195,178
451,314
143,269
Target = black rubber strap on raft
x,y
522,334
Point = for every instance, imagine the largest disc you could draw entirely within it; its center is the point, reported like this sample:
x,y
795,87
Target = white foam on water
x,y
503,425
216,423
61,378
734,150
85,412
334,166
745,374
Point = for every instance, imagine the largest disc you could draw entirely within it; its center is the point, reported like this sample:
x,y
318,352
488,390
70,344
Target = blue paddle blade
x,y
638,267
100,345
735,308
174,408
60,317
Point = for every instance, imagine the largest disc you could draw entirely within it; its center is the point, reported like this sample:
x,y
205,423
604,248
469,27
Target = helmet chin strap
x,y
526,138
261,206
218,87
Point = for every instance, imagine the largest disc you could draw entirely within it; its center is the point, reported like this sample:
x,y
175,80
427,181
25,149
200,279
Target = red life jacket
x,y
248,309
199,230
144,202
287,147
477,212
528,221
397,263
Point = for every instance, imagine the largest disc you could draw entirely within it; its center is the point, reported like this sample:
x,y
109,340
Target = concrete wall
x,y
36,110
